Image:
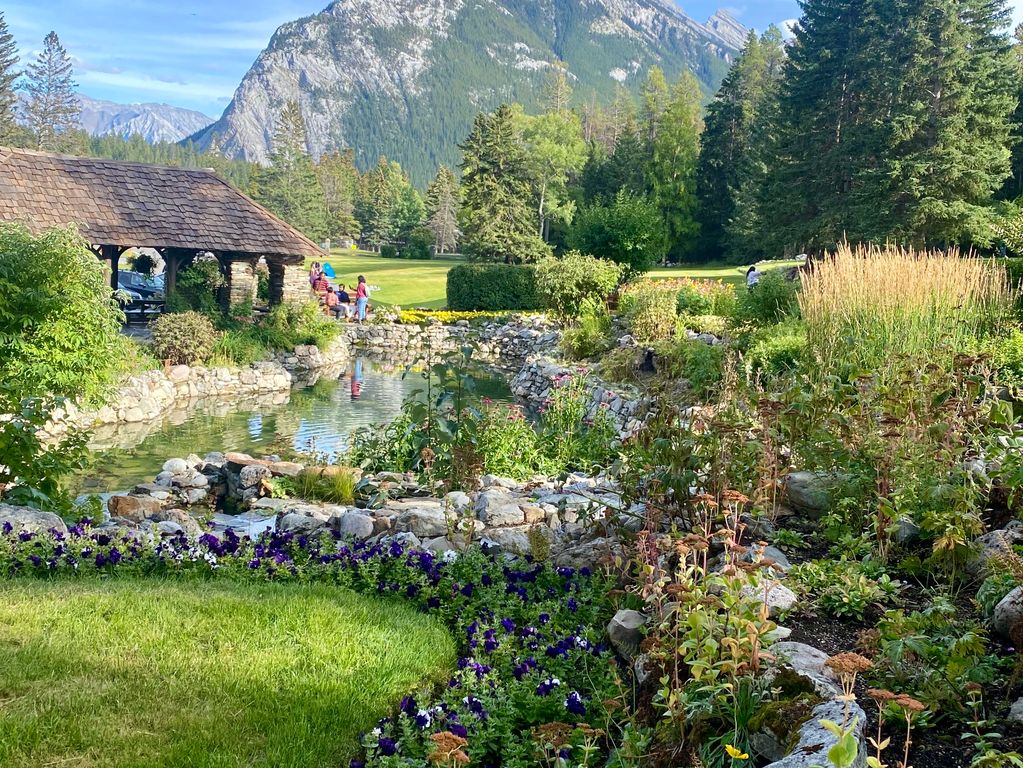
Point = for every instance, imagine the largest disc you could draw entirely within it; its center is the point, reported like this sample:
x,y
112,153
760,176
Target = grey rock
x,y
175,466
815,740
424,523
1016,711
169,528
513,540
191,479
775,595
134,508
625,631
811,492
252,475
807,662
588,553
495,481
195,496
27,519
1007,621
357,525
760,553
905,531
643,669
994,544
458,501
296,523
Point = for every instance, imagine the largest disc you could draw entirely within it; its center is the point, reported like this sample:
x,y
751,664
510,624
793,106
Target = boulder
x,y
28,519
588,553
497,507
252,475
356,525
1007,621
168,528
513,540
175,466
815,740
1016,711
134,508
994,544
775,595
296,523
808,663
424,523
625,631
458,501
762,553
811,492
286,469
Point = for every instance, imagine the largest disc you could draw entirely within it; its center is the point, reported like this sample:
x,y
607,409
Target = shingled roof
x,y
139,205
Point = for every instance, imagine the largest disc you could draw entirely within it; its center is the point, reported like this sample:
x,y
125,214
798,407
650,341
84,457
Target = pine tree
x,y
496,215
8,76
289,187
339,179
672,170
1014,184
53,109
557,91
442,201
379,217
655,98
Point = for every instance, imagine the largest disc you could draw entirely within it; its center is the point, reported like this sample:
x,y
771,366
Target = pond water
x,y
315,418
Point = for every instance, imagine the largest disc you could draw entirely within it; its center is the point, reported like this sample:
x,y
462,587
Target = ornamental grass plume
x,y
869,306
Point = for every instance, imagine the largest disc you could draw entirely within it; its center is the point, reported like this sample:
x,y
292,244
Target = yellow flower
x,y
735,754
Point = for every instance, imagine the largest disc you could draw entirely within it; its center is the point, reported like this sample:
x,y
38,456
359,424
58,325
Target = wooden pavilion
x,y
179,212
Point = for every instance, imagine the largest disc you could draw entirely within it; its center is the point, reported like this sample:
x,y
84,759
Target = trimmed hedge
x,y
492,288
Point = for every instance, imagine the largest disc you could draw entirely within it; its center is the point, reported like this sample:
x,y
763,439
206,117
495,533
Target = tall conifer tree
x,y
442,210
8,75
53,109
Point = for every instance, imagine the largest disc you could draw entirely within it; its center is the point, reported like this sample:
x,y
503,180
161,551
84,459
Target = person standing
x,y
315,272
753,276
361,300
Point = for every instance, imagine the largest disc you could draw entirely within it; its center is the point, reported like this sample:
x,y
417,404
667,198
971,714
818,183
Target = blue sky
x,y
193,53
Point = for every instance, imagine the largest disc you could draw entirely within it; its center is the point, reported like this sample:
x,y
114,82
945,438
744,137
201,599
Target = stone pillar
x,y
241,281
289,280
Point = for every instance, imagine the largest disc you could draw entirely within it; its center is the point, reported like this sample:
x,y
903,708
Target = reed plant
x,y
867,307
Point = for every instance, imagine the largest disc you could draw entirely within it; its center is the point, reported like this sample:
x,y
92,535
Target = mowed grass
x,y
130,672
412,284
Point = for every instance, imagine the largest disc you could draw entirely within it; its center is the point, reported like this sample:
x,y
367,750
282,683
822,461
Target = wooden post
x,y
113,254
170,257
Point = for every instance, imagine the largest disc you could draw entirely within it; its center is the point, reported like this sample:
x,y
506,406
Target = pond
x,y
315,418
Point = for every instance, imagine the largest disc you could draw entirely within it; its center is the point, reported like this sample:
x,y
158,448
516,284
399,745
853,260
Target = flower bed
x,y
534,677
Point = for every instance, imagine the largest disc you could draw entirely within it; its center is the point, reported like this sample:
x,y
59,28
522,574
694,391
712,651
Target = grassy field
x,y
131,672
424,283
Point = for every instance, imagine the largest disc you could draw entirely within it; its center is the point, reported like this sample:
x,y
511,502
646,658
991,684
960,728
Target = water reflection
x,y
316,417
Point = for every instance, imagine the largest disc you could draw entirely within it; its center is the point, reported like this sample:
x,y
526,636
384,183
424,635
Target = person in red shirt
x,y
361,300
321,285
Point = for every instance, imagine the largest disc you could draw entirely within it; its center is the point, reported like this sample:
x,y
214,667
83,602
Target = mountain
x,y
405,78
153,122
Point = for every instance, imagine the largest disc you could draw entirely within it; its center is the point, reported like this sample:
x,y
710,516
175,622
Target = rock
x,y
195,496
763,553
179,373
811,492
169,528
296,523
356,525
497,507
286,469
775,595
252,475
815,740
625,631
1016,711
513,540
440,545
1007,621
458,501
134,508
643,669
994,544
588,553
27,519
175,466
807,662
424,523
905,531
494,481
191,479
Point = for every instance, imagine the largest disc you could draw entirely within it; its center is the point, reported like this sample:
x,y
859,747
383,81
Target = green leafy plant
x,y
844,588
491,287
184,338
770,301
651,311
198,288
564,285
591,334
334,485
59,325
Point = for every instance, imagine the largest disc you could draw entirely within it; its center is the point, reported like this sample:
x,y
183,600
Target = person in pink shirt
x,y
361,300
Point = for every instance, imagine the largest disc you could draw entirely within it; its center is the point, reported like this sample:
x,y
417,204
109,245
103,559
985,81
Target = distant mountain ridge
x,y
405,78
153,122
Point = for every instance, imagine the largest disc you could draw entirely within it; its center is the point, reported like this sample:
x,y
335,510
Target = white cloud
x,y
128,81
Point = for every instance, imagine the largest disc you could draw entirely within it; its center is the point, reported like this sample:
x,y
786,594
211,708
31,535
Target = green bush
x,y
388,252
491,288
773,299
419,246
198,288
693,301
563,285
778,348
651,311
1007,358
630,231
591,335
702,365
184,338
59,325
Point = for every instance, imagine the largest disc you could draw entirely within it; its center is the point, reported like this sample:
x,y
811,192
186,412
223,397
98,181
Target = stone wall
x,y
153,394
241,282
289,280
539,377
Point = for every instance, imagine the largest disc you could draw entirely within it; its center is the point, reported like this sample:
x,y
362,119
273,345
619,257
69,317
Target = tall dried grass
x,y
869,306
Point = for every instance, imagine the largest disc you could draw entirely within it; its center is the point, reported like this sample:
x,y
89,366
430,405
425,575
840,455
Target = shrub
x,y
867,307
185,338
702,365
651,311
773,299
714,324
388,252
591,335
419,246
563,285
491,288
197,288
630,231
778,348
1007,358
57,336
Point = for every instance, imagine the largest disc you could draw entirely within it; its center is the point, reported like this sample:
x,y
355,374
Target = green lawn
x,y
127,673
405,283
424,283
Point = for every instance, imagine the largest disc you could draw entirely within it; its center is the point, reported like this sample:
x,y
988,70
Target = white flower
x,y
377,732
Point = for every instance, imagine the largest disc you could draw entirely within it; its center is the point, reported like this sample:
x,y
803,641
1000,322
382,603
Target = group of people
x,y
338,301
